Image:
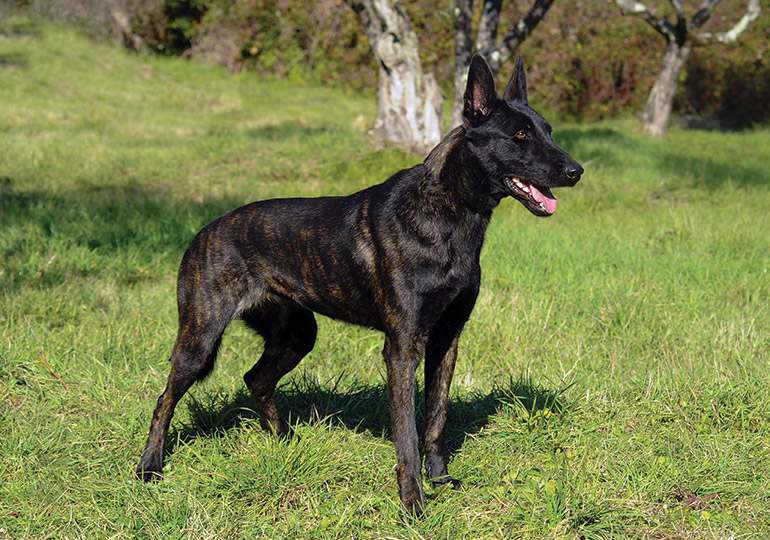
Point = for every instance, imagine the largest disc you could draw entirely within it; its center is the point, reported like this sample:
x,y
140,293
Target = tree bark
x,y
657,111
122,21
462,13
487,32
486,44
409,100
504,50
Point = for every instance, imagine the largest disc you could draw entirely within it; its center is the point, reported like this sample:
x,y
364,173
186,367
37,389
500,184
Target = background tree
x,y
496,53
409,101
586,62
123,22
680,36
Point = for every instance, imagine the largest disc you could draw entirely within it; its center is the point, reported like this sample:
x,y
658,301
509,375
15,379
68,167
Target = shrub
x,y
585,60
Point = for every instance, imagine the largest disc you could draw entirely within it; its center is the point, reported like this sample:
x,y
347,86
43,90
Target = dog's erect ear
x,y
517,86
480,92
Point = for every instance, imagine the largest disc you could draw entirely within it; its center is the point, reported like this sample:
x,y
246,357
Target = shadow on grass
x,y
363,407
286,130
94,228
621,150
115,227
20,26
11,60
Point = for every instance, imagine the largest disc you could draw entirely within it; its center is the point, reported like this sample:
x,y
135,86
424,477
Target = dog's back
x,y
348,258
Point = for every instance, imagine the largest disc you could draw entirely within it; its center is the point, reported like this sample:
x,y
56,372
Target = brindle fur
x,y
401,257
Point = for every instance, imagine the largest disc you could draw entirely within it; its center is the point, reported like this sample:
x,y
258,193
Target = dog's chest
x,y
449,265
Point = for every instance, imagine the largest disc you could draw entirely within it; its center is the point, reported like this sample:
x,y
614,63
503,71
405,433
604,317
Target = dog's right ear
x,y
517,86
480,94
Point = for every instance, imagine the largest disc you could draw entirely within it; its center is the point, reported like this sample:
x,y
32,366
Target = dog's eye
x,y
521,135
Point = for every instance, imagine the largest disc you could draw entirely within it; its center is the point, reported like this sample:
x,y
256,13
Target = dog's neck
x,y
450,170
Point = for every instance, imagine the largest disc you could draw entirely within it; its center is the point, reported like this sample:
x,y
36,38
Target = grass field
x,y
613,381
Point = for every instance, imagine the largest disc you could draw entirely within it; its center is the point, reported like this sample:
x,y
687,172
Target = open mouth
x,y
538,199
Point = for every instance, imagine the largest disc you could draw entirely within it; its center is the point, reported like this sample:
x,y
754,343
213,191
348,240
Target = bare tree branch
x,y
660,24
487,33
680,38
679,10
731,36
681,21
485,43
462,15
703,14
523,28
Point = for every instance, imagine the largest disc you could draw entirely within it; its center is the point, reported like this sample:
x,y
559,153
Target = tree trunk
x,y
409,100
657,112
462,15
680,35
495,53
122,21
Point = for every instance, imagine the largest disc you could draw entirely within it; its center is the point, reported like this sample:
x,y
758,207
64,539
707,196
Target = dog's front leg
x,y
440,358
401,360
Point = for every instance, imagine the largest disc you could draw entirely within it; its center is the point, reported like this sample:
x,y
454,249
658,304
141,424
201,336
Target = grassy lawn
x,y
613,381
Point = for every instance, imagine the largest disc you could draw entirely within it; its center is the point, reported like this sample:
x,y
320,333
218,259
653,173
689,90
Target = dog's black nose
x,y
573,171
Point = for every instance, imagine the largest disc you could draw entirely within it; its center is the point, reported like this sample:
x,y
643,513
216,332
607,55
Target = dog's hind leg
x,y
402,354
195,351
289,331
440,358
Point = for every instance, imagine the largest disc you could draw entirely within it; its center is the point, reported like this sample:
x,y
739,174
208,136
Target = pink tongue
x,y
548,201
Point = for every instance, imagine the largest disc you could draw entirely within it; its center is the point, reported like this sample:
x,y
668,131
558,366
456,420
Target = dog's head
x,y
512,142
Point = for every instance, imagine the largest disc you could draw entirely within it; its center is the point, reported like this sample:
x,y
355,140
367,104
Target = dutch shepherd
x,y
401,257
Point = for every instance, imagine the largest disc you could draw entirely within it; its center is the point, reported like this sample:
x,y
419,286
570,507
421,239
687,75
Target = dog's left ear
x,y
480,94
517,86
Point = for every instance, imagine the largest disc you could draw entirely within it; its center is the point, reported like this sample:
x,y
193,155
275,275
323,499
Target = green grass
x,y
613,380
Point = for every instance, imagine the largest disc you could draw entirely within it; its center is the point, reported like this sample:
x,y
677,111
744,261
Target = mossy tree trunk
x,y
409,101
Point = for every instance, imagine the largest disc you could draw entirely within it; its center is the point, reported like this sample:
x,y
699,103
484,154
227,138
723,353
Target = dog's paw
x,y
149,473
443,482
149,476
413,510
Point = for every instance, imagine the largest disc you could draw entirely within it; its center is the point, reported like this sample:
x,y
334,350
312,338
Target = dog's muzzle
x,y
572,172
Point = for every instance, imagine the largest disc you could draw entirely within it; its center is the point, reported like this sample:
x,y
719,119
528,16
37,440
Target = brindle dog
x,y
401,257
